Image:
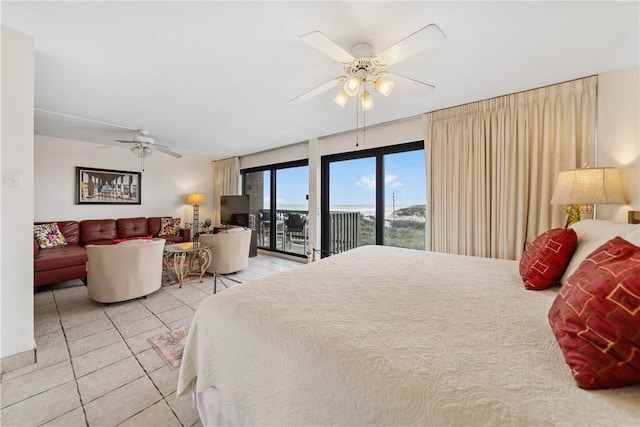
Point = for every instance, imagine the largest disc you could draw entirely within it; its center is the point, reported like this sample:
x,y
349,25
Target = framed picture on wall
x,y
106,186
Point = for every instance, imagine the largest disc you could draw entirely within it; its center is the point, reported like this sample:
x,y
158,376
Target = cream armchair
x,y
230,249
124,271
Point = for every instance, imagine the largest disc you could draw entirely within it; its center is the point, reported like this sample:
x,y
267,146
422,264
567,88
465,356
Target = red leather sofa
x,y
67,262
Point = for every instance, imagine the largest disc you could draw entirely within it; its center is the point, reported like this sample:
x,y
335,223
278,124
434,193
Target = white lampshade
x,y
352,86
588,186
195,199
341,99
384,86
367,101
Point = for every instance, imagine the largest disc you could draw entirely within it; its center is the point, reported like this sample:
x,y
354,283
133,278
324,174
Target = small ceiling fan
x,y
365,67
143,145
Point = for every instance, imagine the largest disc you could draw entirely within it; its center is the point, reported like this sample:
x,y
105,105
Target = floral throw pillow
x,y
48,235
169,227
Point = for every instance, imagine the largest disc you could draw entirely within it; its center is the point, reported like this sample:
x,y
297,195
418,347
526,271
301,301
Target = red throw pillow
x,y
596,317
545,259
132,238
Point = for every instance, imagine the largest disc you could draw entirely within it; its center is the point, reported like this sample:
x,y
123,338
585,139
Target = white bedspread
x,y
389,336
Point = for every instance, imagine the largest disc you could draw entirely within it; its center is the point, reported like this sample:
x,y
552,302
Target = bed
x,y
389,336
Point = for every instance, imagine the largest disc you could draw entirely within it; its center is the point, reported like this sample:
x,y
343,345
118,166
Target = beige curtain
x,y
492,166
226,182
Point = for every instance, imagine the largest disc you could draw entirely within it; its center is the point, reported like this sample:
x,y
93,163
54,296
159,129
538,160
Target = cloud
x,y
391,181
369,182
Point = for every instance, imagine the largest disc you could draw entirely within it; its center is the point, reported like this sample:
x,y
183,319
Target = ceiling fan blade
x,y
165,150
327,46
126,141
427,85
317,91
423,39
83,119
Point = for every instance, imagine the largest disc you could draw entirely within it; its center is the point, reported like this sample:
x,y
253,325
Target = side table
x,y
181,252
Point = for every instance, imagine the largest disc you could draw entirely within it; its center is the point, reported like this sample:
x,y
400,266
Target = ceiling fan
x,y
143,145
365,67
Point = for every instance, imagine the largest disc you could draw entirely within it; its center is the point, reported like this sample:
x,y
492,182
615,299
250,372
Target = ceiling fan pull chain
x,y
357,125
364,128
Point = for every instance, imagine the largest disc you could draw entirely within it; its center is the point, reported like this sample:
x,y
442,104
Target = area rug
x,y
170,345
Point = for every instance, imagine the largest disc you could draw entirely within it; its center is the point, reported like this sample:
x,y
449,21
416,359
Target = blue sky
x,y
353,181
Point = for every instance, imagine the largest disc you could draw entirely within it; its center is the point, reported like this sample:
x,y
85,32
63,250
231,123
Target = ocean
x,y
364,209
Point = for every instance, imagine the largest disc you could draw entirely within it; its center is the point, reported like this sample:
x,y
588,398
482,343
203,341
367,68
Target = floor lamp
x,y
195,199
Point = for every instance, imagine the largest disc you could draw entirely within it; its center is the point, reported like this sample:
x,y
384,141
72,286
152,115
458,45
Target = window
x,y
405,199
374,196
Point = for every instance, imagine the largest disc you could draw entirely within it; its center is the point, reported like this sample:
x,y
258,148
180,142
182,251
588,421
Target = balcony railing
x,y
344,233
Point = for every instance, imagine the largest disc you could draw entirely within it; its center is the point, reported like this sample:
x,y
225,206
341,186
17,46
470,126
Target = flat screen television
x,y
234,210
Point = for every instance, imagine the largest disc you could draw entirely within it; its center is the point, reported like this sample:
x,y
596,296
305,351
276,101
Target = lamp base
x,y
586,212
196,224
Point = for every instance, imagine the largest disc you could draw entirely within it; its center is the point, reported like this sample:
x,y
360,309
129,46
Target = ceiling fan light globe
x,y
141,151
352,86
367,101
384,86
341,99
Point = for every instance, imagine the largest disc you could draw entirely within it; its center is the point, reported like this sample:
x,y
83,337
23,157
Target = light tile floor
x,y
95,366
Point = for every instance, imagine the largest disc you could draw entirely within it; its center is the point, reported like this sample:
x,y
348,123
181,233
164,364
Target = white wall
x,y
393,133
619,136
16,217
289,153
166,181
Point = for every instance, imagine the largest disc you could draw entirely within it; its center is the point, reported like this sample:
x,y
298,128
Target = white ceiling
x,y
212,79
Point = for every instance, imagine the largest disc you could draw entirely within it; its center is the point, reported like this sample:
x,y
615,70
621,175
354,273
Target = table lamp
x,y
586,187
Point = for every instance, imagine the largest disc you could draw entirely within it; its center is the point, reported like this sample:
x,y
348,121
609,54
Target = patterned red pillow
x,y
545,259
596,317
126,239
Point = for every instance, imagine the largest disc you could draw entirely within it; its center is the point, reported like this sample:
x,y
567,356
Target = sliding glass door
x,y
292,207
257,184
352,203
279,203
375,196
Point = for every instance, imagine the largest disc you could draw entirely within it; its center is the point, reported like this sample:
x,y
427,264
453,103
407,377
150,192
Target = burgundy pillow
x,y
596,317
545,259
126,239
